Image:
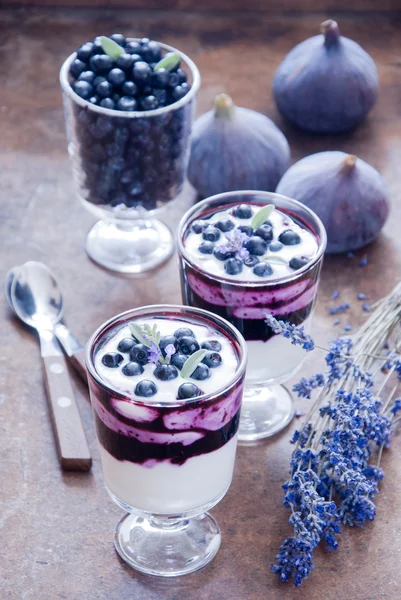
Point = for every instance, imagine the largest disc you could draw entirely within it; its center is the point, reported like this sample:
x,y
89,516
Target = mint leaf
x,y
262,215
168,62
137,332
278,260
192,362
111,48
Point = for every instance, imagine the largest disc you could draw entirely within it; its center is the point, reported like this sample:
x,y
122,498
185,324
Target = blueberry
x,y
180,91
85,51
181,74
83,89
183,331
187,345
149,103
275,247
107,103
188,390
118,38
139,353
150,52
212,360
145,388
198,226
98,79
101,63
212,345
178,360
256,245
144,41
233,266
129,88
206,248
133,48
141,73
104,89
173,80
159,78
112,360
165,372
126,103
160,95
87,76
265,232
289,238
211,234
116,77
247,229
97,45
125,62
225,225
167,340
298,262
221,254
201,372
251,261
77,67
93,99
262,269
132,368
243,211
125,345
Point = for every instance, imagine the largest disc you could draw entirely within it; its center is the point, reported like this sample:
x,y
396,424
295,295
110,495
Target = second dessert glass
x,y
267,406
127,166
167,463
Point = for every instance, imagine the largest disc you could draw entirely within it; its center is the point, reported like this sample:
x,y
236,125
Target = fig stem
x,y
348,163
331,33
224,106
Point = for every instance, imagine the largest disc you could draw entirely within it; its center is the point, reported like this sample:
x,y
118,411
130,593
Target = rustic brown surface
x,y
56,529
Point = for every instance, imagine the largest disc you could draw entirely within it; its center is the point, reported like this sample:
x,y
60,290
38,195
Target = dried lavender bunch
x,y
334,477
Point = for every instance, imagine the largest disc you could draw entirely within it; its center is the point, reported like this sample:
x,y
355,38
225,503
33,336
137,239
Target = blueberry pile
x,y
121,162
185,344
259,241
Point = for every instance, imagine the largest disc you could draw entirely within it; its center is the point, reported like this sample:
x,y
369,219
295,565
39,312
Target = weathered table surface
x,y
56,529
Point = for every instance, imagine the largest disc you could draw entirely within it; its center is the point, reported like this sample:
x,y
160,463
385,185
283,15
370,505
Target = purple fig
x,y
347,193
236,148
326,84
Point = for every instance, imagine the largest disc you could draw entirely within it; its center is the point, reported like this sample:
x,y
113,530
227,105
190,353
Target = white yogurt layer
x,y
167,390
274,360
171,489
308,247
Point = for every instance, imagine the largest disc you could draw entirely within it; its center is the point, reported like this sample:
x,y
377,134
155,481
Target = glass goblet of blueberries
x,y
129,105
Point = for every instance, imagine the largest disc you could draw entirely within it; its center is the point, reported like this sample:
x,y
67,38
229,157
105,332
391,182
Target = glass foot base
x,y
265,411
129,246
165,547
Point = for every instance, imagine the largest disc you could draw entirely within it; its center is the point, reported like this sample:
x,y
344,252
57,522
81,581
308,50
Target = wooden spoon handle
x,y
77,359
72,447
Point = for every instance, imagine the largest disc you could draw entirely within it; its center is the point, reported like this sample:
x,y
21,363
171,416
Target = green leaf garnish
x,y
192,362
278,260
168,62
111,47
136,331
262,215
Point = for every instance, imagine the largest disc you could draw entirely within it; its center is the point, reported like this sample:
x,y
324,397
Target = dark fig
x,y
348,194
235,148
326,84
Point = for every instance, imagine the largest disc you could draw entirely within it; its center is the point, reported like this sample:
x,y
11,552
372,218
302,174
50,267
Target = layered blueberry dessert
x,y
166,403
128,152
244,260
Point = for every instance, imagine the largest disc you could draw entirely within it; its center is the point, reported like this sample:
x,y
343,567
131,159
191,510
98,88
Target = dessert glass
x,y
167,463
267,405
127,166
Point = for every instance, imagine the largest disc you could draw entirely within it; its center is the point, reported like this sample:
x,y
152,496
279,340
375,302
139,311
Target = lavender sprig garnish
x,y
335,467
234,243
150,337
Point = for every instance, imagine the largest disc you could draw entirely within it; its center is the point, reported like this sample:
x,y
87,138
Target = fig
x,y
347,193
235,148
326,84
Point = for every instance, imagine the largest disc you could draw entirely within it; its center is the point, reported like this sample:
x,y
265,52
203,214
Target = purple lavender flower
x,y
363,262
335,295
234,243
339,309
297,335
154,353
366,307
169,350
305,387
361,296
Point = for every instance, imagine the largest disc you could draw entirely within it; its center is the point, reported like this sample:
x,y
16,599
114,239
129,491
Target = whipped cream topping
x,y
307,247
166,390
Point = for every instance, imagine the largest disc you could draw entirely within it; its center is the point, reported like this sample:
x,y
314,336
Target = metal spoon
x,y
37,302
72,347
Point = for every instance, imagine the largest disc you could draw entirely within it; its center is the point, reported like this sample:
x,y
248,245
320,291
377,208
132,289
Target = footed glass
x,y
267,405
167,463
127,167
